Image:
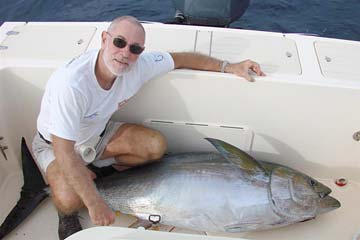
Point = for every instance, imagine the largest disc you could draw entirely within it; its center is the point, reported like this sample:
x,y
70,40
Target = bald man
x,y
78,102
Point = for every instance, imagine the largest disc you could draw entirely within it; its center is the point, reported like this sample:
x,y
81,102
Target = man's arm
x,y
202,62
80,179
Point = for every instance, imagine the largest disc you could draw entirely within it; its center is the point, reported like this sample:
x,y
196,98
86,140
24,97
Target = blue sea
x,y
326,18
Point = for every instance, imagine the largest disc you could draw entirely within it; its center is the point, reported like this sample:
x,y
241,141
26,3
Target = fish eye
x,y
312,182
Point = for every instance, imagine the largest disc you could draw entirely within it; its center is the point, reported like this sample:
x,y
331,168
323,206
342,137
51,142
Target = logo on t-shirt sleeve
x,y
92,116
158,57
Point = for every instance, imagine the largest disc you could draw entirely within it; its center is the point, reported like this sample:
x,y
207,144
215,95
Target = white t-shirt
x,y
75,107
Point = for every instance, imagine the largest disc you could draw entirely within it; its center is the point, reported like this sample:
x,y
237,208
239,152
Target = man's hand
x,y
242,69
101,214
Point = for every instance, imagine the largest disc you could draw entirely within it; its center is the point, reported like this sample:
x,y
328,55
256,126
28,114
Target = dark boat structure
x,y
209,12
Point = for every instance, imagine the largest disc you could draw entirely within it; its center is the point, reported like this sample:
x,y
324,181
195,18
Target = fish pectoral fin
x,y
255,224
244,227
236,155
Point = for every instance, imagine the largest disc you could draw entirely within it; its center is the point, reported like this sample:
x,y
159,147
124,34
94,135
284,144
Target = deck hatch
x,y
339,59
274,53
170,40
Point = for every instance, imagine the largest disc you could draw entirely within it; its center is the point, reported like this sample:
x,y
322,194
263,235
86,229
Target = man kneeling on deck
x,y
78,102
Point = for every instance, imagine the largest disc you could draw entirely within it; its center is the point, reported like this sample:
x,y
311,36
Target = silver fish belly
x,y
213,192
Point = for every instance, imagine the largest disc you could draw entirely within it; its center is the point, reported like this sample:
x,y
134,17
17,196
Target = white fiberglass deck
x,y
302,114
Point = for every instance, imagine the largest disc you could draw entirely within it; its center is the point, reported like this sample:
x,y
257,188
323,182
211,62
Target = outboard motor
x,y
218,13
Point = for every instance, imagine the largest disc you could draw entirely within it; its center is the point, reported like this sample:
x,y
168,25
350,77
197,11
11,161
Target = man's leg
x,y
134,145
66,201
63,196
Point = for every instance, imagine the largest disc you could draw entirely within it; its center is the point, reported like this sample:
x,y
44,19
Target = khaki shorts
x,y
44,152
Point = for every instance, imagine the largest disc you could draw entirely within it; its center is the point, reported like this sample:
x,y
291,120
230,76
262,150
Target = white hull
x,y
303,114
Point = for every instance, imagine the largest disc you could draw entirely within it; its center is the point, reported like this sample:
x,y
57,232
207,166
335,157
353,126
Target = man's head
x,y
122,44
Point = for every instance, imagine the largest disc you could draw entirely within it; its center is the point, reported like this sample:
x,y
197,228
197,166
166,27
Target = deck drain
x,y
356,136
341,182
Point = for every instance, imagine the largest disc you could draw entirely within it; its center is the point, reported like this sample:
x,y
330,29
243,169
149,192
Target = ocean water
x,y
330,18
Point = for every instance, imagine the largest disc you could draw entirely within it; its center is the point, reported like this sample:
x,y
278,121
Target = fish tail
x,y
33,192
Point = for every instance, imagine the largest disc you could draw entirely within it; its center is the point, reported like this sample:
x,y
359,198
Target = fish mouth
x,y
327,204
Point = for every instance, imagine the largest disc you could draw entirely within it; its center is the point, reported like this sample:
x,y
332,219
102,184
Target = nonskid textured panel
x,y
275,54
339,60
56,43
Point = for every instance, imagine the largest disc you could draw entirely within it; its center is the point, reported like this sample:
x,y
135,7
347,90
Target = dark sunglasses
x,y
121,43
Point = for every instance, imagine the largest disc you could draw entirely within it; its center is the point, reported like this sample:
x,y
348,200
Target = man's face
x,y
120,60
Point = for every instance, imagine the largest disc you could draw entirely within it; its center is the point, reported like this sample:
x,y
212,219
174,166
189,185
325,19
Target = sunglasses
x,y
119,42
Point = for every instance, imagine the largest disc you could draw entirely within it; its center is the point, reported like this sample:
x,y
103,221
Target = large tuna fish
x,y
226,192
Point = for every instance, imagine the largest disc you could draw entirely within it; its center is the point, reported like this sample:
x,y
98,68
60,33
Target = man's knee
x,y
157,145
67,202
139,140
